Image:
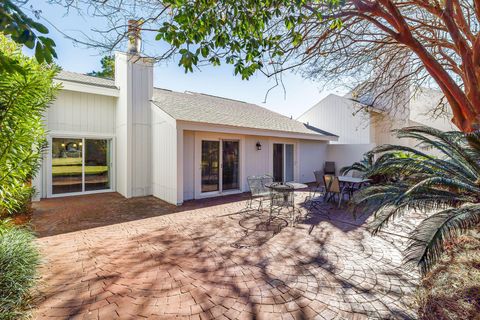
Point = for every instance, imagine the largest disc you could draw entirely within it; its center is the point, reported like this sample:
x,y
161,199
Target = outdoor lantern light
x,y
259,146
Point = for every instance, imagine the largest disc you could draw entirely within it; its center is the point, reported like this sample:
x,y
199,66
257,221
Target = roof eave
x,y
87,88
213,127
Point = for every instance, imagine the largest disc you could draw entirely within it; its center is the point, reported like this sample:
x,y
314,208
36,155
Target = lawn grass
x,y
452,289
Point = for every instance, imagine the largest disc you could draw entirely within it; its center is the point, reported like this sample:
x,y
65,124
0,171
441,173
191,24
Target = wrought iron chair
x,y
258,190
317,192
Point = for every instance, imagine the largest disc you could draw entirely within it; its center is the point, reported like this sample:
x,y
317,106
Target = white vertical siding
x,y
134,78
142,81
123,121
257,162
346,154
77,112
312,156
164,155
339,115
188,165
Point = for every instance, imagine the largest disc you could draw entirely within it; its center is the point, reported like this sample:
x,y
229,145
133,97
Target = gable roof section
x,y
84,79
203,108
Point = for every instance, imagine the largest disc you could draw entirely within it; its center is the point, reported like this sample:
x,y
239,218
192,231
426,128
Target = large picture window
x,y
80,165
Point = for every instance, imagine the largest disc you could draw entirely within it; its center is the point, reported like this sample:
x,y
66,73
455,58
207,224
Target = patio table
x,y
287,190
352,183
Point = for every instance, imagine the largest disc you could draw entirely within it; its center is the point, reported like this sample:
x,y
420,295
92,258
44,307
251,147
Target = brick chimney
x,y
134,36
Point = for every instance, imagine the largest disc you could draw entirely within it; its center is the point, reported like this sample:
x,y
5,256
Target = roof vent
x,y
134,36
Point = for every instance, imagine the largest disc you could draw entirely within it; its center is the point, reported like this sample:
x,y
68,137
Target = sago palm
x,y
363,166
440,176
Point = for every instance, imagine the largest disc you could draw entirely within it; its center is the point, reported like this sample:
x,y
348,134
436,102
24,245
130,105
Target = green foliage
x,y
242,33
447,187
19,259
23,30
363,166
24,96
108,68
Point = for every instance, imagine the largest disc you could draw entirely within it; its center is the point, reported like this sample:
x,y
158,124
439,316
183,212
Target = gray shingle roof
x,y
84,79
197,107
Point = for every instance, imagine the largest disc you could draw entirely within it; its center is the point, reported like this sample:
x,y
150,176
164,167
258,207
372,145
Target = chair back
x,y
332,184
266,179
329,167
319,178
255,184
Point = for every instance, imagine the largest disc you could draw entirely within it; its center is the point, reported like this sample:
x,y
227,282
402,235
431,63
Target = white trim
x,y
87,88
76,134
206,127
48,168
296,158
206,136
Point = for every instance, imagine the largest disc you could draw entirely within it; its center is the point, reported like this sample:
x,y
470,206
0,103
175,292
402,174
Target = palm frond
x,y
429,237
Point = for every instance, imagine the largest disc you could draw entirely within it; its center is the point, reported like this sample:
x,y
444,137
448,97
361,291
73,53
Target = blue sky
x,y
301,93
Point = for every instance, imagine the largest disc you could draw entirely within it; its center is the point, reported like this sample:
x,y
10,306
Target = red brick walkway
x,y
206,262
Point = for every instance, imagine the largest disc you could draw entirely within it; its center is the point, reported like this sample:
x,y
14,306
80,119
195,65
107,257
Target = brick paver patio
x,y
207,261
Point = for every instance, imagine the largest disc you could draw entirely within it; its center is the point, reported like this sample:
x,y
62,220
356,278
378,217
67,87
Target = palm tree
x,y
446,186
363,166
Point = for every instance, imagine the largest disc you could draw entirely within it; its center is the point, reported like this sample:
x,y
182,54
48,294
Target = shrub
x,y
446,187
19,259
452,289
24,95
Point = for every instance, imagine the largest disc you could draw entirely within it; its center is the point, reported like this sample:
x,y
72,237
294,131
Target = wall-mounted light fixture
x,y
259,146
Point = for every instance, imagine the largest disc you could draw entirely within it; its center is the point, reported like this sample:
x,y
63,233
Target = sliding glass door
x,y
283,162
230,165
220,163
80,165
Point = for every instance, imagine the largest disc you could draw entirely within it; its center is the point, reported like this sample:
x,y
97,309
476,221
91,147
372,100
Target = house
x,y
124,135
361,128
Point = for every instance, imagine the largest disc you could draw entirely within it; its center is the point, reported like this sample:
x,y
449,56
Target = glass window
x,y
97,173
66,165
210,165
74,172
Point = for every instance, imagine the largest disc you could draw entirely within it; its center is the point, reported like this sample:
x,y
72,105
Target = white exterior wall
x,y
134,78
142,79
76,114
313,155
346,154
308,156
164,169
340,116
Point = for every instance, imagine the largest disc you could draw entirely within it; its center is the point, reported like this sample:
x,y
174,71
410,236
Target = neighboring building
x,y
362,128
355,123
124,135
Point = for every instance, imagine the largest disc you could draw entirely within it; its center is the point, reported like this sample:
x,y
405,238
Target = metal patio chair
x,y
317,191
258,190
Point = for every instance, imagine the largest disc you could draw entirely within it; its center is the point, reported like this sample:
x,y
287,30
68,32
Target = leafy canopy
x,y
244,33
108,68
24,96
25,31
